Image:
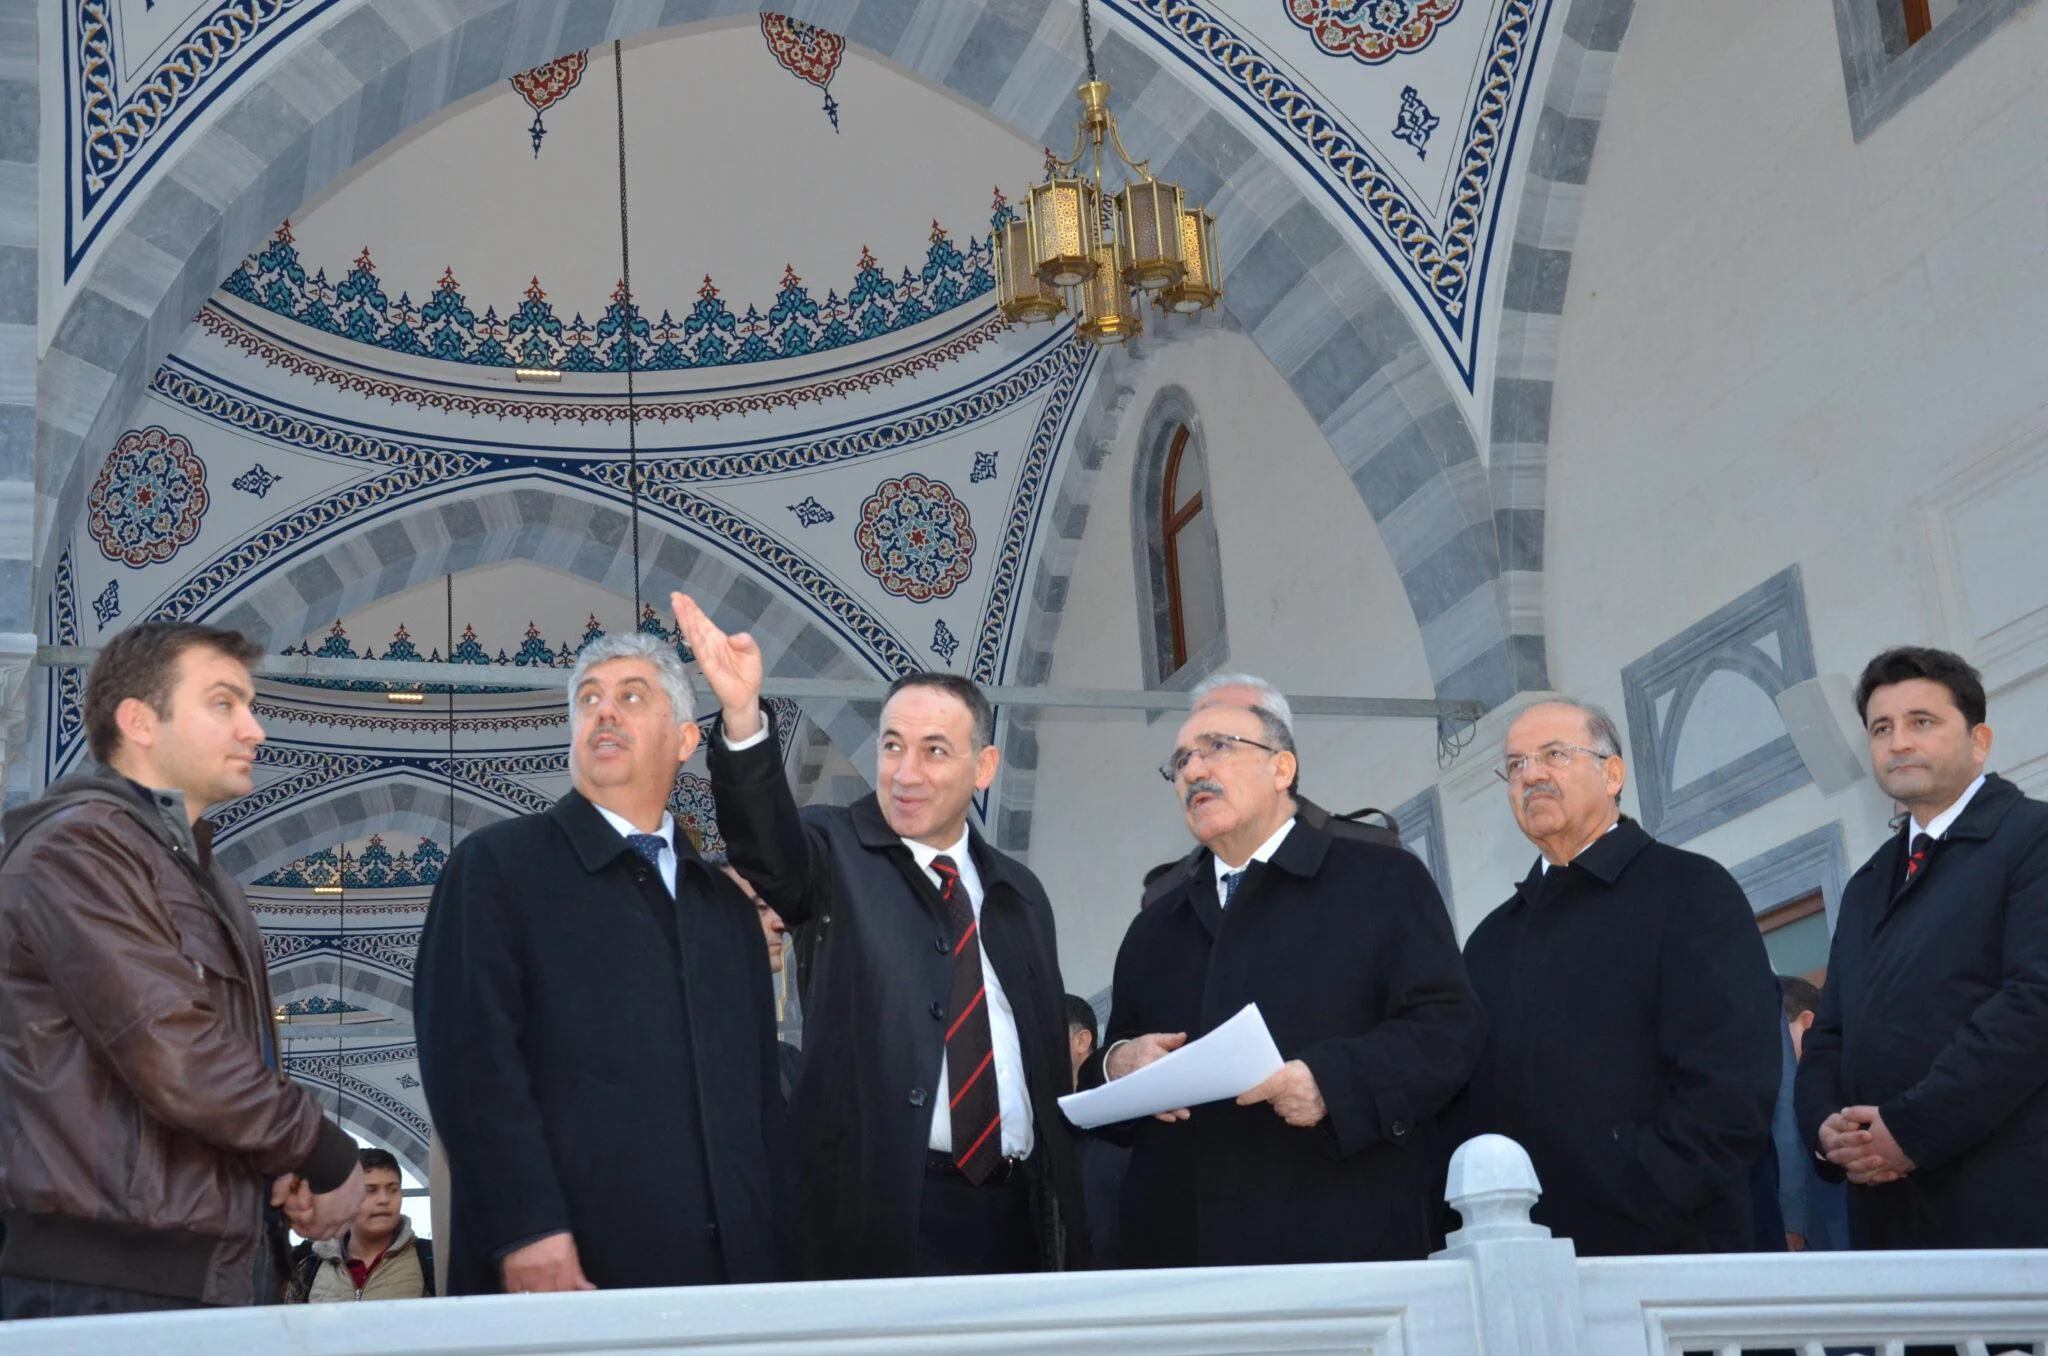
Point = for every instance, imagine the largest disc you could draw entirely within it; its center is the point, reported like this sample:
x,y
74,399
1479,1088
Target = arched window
x,y
1180,570
1194,576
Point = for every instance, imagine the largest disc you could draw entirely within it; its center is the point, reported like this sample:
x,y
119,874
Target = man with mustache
x,y
1632,1016
144,1122
927,1139
596,1028
1924,1079
1346,947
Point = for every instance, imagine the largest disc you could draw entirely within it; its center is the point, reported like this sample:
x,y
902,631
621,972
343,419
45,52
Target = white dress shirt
x,y
666,833
1939,826
1262,853
1013,1097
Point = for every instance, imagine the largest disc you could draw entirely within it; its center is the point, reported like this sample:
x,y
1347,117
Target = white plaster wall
x,y
1780,346
1311,601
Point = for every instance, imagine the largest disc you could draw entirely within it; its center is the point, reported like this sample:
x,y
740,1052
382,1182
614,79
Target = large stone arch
x,y
1299,288
328,815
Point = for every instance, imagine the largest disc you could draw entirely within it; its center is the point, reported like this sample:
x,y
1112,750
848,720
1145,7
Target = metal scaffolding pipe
x,y
404,673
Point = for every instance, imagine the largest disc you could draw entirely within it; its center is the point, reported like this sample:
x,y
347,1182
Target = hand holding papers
x,y
1234,1058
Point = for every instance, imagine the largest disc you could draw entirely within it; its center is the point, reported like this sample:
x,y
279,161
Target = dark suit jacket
x,y
1347,949
1936,1013
874,1017
581,1076
1632,1049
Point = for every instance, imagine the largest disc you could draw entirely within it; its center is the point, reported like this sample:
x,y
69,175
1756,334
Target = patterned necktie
x,y
970,1047
1231,880
1922,845
649,846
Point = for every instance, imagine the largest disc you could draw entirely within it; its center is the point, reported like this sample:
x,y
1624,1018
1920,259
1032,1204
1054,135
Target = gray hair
x,y
1603,736
1269,705
668,668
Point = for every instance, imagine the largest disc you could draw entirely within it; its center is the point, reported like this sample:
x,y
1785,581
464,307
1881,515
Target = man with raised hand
x,y
596,1027
144,1122
927,1140
1924,1079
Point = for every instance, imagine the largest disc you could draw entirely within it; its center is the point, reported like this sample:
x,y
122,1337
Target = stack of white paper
x,y
1231,1060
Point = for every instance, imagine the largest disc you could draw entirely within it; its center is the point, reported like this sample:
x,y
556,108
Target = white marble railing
x,y
1502,1288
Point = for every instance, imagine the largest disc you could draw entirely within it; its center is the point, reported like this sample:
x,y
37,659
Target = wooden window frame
x,y
1171,521
1794,911
1919,21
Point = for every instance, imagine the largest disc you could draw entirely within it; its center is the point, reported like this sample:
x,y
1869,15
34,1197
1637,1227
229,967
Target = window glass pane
x,y
1190,478
1800,946
1201,582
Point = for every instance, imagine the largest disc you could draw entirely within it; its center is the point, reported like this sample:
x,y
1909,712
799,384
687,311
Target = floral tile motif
x,y
810,512
808,52
108,605
692,806
1415,122
256,480
546,85
984,468
1372,31
944,643
530,334
149,498
915,539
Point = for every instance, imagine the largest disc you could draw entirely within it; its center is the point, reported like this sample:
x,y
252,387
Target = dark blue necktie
x,y
1231,880
649,846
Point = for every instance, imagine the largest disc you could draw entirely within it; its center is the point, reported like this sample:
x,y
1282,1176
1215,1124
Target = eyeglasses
x,y
1209,747
1553,755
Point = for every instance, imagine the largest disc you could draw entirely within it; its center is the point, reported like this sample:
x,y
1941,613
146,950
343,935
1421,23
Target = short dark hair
x,y
1080,1016
373,1159
966,690
1799,994
142,662
1904,663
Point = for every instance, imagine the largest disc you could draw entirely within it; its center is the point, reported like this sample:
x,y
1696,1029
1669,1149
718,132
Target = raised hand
x,y
730,664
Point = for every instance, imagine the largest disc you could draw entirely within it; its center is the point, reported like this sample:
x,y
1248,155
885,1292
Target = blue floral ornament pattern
x,y
915,538
149,498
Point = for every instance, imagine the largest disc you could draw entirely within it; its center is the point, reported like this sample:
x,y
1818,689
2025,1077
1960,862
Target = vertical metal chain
x,y
626,286
451,718
1088,40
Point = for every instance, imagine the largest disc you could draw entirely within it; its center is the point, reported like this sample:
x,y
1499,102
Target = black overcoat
x,y
874,1016
1936,1013
1632,1047
1346,947
581,1077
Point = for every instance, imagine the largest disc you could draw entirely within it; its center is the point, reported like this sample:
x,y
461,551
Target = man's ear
x,y
1803,1023
692,736
985,763
137,720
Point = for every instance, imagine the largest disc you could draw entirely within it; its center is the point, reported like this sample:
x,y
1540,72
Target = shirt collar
x,y
666,833
1543,863
925,853
1262,853
1939,826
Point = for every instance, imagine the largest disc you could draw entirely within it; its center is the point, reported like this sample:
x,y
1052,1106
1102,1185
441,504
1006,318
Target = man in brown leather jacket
x,y
146,1123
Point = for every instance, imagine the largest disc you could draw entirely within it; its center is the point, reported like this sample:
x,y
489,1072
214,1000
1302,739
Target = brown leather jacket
x,y
140,1111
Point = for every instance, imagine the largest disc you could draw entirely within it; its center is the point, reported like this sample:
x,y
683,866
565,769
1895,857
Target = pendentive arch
x,y
1299,288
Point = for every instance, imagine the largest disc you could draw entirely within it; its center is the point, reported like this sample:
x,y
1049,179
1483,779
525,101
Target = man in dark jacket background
x,y
1633,1037
596,1027
927,1137
144,1119
1347,949
1925,1077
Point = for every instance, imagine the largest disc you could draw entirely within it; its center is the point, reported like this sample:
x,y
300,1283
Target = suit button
x,y
939,945
1400,1129
917,1096
938,1012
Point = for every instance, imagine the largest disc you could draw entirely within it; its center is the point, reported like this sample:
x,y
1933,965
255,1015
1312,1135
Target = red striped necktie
x,y
970,1046
1917,858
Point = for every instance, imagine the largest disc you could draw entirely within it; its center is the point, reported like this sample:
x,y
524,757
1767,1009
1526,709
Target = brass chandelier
x,y
1073,248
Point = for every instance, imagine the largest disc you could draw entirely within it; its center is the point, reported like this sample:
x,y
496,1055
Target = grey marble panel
x,y
1881,74
1815,860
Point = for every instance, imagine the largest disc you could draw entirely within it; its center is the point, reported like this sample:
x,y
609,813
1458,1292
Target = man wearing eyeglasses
x,y
1632,1033
1347,949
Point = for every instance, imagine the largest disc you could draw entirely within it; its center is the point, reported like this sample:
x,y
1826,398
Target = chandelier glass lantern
x,y
1020,294
1097,249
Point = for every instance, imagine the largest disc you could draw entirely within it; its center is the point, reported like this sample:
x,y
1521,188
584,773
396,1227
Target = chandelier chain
x,y
631,312
1088,39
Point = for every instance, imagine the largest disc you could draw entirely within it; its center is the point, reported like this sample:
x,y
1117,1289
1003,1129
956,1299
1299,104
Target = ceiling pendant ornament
x,y
545,86
1372,31
148,499
1075,245
915,539
806,51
